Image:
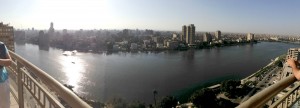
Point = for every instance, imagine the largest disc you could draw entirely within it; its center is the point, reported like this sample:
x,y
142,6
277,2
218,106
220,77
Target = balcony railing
x,y
287,86
32,87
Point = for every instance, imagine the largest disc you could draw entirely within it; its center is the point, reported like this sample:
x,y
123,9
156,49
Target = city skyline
x,y
276,17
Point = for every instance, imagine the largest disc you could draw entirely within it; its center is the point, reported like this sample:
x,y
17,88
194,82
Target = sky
x,y
242,16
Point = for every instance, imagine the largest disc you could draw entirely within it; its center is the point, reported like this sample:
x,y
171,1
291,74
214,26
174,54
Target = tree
x,y
230,87
136,104
154,96
116,103
168,102
223,103
246,88
279,63
204,98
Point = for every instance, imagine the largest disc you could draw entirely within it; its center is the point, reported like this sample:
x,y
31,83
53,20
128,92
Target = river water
x,y
134,76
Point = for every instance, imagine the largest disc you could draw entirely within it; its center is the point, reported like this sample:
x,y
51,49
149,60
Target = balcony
x,y
32,87
283,94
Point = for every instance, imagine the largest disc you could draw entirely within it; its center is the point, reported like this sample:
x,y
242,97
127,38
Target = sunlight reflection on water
x,y
73,67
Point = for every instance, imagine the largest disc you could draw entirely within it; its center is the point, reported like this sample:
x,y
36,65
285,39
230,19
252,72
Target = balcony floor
x,y
13,102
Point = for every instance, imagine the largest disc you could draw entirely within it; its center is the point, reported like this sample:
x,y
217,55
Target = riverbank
x,y
215,85
199,46
268,67
184,94
101,75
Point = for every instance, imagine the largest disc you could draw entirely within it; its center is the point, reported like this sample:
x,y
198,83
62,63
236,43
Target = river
x,y
134,76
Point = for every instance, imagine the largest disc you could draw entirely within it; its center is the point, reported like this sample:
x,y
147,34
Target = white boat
x,y
74,51
69,53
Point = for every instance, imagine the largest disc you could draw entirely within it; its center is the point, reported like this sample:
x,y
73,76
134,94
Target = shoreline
x,y
244,75
250,76
185,93
136,51
257,72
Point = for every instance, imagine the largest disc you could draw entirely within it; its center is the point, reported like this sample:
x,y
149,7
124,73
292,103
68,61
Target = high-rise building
x,y
149,32
19,36
183,35
51,31
64,32
43,39
175,36
293,53
190,34
125,32
218,35
250,37
207,37
7,36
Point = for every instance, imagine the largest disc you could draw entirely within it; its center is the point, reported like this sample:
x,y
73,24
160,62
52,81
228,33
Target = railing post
x,y
20,85
286,103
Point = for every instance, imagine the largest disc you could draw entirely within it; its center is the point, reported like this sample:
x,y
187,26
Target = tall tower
x,y
250,37
51,31
207,37
190,34
7,36
183,35
218,35
51,25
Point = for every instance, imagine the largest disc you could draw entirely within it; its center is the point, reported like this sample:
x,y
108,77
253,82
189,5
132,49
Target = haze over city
x,y
149,53
255,16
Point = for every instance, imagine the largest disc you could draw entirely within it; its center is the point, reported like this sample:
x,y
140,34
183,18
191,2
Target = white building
x,y
293,53
274,38
175,37
116,47
159,45
250,37
172,44
218,35
7,36
146,43
207,37
133,46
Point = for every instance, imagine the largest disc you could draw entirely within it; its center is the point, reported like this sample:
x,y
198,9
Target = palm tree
x,y
154,94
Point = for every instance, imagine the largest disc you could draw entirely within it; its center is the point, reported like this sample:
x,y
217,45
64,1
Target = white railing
x,y
286,86
288,99
32,87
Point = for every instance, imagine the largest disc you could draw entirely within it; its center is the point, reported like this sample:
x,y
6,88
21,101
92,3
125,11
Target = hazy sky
x,y
257,16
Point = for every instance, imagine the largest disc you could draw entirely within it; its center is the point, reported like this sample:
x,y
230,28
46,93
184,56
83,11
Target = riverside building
x,y
293,53
250,37
183,35
51,31
207,37
7,36
218,35
188,34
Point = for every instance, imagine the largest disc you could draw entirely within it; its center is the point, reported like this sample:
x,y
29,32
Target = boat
x,y
74,51
66,53
69,53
